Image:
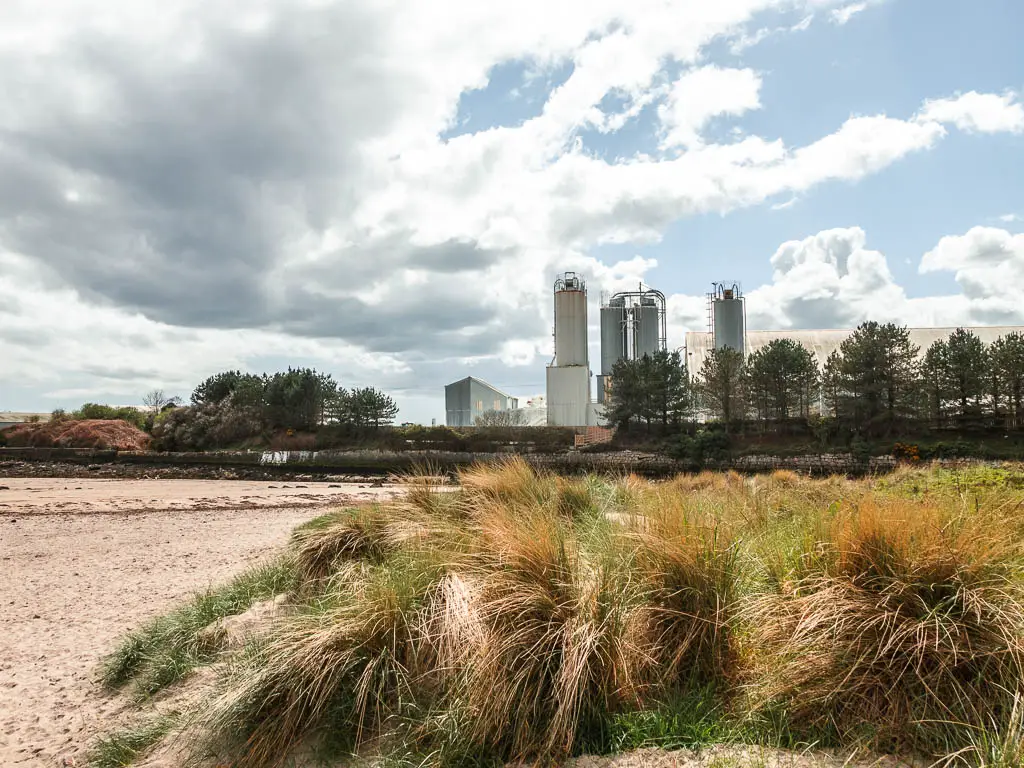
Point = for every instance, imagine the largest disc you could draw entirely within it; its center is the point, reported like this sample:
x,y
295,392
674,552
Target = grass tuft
x,y
169,647
899,623
126,746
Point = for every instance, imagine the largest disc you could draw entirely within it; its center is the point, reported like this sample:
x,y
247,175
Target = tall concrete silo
x,y
568,378
729,317
570,320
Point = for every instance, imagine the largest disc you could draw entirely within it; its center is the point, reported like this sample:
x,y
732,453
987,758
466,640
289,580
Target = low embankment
x,y
343,465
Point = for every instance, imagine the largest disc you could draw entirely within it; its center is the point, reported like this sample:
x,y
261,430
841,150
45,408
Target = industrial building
x,y
633,324
727,316
470,397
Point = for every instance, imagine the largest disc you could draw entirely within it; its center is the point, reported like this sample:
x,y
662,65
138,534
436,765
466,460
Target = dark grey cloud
x,y
178,186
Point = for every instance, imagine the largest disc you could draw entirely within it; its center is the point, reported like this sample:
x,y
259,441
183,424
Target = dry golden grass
x,y
524,616
894,622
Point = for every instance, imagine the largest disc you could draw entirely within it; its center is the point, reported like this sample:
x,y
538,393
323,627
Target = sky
x,y
385,190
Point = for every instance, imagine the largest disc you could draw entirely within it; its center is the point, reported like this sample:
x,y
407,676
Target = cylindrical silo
x,y
570,320
646,327
729,321
613,334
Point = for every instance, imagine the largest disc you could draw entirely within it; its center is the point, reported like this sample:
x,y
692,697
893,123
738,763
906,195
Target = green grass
x,y
692,720
169,647
124,747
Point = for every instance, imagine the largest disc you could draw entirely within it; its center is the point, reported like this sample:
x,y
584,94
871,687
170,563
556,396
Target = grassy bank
x,y
528,616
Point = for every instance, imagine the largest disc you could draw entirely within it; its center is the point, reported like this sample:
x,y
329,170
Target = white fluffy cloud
x,y
989,267
830,280
834,280
977,112
704,93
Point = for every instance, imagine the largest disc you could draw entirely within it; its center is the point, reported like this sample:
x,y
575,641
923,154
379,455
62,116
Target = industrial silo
x,y
570,321
646,327
568,379
729,317
613,333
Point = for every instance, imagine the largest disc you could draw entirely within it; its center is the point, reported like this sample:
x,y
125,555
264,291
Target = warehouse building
x,y
468,398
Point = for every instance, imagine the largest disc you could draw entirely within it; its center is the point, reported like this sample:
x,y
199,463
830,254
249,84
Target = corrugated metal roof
x,y
484,383
822,342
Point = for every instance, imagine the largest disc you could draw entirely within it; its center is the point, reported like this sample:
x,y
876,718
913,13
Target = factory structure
x,y
468,398
633,324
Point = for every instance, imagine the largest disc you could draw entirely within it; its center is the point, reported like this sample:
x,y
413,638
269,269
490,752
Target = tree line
x,y
875,383
298,399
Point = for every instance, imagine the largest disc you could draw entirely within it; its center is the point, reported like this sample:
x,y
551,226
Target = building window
x,y
497,405
480,406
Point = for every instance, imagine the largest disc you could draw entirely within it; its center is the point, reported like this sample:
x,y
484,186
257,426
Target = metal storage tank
x,y
613,334
570,320
729,318
647,327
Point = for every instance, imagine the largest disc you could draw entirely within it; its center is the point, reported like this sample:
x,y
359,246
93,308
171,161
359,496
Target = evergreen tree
x,y
720,384
879,376
833,393
934,380
298,398
966,372
243,388
651,390
369,407
781,380
1007,360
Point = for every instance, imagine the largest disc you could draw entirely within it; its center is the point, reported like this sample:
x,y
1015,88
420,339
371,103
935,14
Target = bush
x,y
706,446
207,427
108,413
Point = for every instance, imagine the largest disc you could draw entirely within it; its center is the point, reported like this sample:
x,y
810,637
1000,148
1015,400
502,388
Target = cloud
x,y
702,94
829,280
785,205
190,186
988,264
834,280
50,336
1009,218
975,112
842,15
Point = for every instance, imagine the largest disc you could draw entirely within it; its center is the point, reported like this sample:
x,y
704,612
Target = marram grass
x,y
522,616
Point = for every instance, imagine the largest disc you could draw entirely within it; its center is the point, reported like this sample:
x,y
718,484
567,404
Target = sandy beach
x,y
85,560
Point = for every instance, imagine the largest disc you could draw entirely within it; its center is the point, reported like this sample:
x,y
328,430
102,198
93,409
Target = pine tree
x,y
781,380
934,380
880,376
720,384
653,390
966,372
833,393
1007,359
